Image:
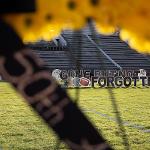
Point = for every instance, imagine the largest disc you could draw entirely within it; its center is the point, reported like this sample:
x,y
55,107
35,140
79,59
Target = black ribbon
x,y
17,6
25,71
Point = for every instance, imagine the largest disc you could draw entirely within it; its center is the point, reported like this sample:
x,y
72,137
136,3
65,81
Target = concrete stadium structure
x,y
82,49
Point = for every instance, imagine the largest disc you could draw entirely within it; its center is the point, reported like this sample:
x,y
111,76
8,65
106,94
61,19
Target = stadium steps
x,y
108,51
88,54
121,53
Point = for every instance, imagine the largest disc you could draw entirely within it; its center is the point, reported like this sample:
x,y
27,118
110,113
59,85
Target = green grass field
x,y
21,129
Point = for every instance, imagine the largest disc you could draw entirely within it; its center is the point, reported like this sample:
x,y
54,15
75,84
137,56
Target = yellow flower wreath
x,y
131,17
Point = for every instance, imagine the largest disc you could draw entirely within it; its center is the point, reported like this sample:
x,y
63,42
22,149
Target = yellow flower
x,y
41,24
105,29
71,13
132,17
135,41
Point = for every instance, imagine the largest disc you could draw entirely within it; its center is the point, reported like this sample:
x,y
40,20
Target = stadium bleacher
x,y
82,49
